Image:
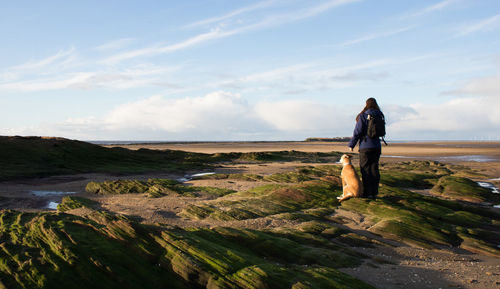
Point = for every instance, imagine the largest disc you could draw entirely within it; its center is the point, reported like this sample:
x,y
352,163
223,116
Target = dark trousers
x,y
368,162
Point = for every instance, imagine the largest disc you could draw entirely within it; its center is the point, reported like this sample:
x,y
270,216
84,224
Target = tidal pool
x,y
202,174
52,205
466,158
470,158
187,178
50,193
490,186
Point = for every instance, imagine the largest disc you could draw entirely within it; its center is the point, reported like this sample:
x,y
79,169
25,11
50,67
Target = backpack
x,y
376,126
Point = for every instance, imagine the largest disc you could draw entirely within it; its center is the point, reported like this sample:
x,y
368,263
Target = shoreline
x,y
119,142
407,149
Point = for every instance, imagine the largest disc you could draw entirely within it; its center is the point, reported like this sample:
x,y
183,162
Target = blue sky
x,y
249,70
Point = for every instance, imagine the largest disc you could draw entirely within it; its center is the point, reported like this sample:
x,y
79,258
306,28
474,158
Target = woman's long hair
x,y
370,103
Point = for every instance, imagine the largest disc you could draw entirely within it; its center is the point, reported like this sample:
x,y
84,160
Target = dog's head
x,y
345,159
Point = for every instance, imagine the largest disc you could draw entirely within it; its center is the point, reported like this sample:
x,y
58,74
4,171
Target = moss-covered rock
x,y
428,222
267,200
47,250
50,250
399,214
153,188
73,202
463,189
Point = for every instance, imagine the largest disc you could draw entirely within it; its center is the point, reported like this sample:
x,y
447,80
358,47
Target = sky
x,y
242,70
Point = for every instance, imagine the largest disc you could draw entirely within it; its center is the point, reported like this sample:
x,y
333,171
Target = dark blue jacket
x,y
359,134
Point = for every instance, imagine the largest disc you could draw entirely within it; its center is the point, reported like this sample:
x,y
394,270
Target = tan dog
x,y
351,185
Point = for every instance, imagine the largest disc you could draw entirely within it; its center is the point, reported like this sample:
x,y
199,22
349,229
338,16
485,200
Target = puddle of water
x,y
202,174
470,158
494,180
490,186
50,193
467,158
187,178
52,205
493,189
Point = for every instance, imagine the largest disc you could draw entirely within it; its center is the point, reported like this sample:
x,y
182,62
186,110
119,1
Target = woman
x,y
369,149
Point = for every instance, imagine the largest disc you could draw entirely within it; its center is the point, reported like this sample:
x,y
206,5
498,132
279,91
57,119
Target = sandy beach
x,y
393,149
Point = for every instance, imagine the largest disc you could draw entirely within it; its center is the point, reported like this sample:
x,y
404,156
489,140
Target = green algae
x,y
254,259
74,202
311,157
464,189
267,200
153,188
299,175
399,214
426,221
52,250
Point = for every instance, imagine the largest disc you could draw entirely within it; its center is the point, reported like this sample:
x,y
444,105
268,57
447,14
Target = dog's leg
x,y
343,198
343,187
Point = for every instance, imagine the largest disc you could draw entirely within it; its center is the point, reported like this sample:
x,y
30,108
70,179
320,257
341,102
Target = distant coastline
x,y
308,140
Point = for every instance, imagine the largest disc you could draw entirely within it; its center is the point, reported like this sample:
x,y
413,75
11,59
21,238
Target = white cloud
x,y
397,113
223,115
60,61
435,7
310,76
217,112
231,14
218,115
302,116
62,56
460,118
373,36
115,44
134,76
56,83
488,86
162,49
483,25
219,32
